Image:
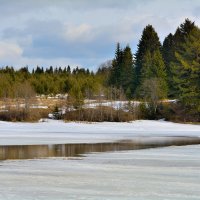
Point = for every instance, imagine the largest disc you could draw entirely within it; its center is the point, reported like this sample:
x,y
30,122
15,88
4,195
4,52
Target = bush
x,y
177,112
24,116
99,114
148,111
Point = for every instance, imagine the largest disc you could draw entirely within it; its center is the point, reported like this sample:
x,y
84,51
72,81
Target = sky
x,y
82,32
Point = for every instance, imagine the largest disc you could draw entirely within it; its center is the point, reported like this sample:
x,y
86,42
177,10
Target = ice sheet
x,y
171,173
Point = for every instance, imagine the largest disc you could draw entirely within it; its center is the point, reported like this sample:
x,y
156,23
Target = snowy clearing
x,y
118,104
114,104
59,132
171,173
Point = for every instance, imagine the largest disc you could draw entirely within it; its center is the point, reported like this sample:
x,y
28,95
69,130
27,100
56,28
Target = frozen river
x,y
171,173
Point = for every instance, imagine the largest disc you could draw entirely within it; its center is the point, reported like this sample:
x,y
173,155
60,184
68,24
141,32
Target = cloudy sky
x,y
82,32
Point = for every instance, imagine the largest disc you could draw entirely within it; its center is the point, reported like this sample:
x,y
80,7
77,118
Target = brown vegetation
x,y
177,112
99,114
32,115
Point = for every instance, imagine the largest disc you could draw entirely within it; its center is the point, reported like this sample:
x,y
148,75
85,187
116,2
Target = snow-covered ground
x,y
118,104
59,132
171,173
114,104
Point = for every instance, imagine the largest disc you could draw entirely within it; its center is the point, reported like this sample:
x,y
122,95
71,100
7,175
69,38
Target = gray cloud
x,y
82,32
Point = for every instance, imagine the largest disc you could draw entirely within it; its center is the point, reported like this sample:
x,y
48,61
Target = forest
x,y
157,72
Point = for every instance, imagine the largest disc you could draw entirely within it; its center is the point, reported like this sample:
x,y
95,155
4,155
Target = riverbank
x,y
59,132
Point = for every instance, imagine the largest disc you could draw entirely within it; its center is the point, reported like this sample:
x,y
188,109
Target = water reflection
x,y
71,150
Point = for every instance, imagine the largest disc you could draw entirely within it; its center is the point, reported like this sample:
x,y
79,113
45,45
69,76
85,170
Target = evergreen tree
x,y
187,70
172,44
148,42
127,72
60,70
186,28
68,69
168,51
122,70
154,68
149,62
116,67
64,70
39,70
181,34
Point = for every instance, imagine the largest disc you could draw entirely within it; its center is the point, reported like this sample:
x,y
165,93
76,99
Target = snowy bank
x,y
59,132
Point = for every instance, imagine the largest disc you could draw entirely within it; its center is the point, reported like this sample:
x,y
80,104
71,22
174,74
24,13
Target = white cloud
x,y
9,50
82,33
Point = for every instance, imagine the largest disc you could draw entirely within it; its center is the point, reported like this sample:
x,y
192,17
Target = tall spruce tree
x,y
186,70
148,42
171,44
168,49
186,28
122,70
154,68
114,79
168,52
127,72
149,62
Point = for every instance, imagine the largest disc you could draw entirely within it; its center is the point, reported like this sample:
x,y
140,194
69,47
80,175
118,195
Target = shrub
x,y
31,115
99,114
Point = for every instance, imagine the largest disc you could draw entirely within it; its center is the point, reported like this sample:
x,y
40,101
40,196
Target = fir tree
x,y
68,69
122,71
127,71
116,67
172,44
149,61
187,70
168,52
148,42
154,68
186,28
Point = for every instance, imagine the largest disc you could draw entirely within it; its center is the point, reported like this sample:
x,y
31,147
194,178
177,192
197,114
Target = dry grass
x,y
99,114
31,115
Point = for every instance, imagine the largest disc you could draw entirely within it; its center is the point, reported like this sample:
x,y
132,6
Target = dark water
x,y
72,150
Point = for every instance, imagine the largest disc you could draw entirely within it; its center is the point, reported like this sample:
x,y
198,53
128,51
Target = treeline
x,y
78,81
159,71
154,73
